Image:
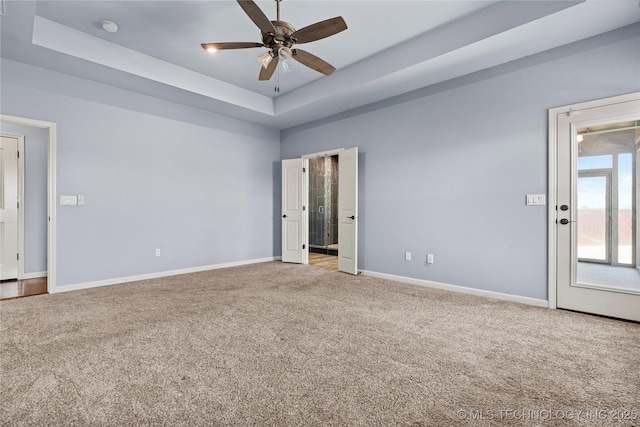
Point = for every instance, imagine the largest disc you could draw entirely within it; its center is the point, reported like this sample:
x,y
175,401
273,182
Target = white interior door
x,y
8,208
348,211
294,220
597,140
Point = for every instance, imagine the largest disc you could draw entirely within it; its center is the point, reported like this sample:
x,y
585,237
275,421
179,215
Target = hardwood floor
x,y
324,261
23,288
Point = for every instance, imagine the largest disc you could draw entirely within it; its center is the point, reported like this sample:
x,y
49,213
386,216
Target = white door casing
x,y
569,293
51,191
294,222
8,208
348,211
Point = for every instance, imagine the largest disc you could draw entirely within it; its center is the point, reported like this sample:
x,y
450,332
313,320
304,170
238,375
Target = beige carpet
x,y
288,345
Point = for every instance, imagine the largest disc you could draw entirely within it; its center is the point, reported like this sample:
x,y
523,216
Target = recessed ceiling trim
x,y
504,47
470,30
60,38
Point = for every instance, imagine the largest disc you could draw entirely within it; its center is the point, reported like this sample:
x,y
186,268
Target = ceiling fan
x,y
280,37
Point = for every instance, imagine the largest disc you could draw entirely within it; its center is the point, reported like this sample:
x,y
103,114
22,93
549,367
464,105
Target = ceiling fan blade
x,y
320,30
230,45
313,61
266,73
257,16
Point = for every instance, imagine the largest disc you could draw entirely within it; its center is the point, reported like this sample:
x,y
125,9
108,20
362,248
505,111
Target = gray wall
x,y
445,169
35,195
154,175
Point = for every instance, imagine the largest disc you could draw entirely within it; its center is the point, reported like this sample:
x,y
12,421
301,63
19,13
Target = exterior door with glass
x,y
594,222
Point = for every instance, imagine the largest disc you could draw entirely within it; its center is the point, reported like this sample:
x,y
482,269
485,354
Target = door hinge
x,y
18,154
18,205
18,257
304,170
304,208
304,246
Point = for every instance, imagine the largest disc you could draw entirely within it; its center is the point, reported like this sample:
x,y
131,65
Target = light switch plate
x,y
536,199
68,200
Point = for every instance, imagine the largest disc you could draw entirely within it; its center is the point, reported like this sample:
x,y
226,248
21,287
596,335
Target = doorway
x,y
323,211
23,211
592,228
28,283
335,228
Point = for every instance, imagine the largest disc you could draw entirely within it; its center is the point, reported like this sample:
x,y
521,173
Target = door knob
x,y
284,216
352,217
564,221
564,208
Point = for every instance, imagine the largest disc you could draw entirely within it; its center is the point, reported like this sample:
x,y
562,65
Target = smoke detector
x,y
109,26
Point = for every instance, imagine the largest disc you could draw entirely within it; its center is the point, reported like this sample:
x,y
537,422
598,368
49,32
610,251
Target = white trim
x,y
119,280
552,199
21,205
553,180
461,289
305,215
52,189
36,275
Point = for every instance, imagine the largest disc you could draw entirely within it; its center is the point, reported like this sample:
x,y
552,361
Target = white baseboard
x,y
455,288
119,280
36,275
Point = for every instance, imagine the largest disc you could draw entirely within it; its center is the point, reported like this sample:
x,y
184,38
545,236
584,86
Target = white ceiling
x,y
390,47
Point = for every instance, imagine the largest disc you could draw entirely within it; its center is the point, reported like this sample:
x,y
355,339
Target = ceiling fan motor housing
x,y
282,37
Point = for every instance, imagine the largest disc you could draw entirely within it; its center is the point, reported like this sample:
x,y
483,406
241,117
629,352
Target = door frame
x,y
572,109
51,191
305,186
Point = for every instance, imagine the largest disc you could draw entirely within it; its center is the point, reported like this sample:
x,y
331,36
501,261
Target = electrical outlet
x,y
158,252
407,256
429,258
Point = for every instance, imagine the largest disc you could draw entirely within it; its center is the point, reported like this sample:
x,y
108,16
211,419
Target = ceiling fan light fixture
x,y
265,59
285,52
211,49
284,64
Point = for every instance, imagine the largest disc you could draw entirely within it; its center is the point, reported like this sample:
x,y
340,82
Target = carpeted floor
x,y
289,345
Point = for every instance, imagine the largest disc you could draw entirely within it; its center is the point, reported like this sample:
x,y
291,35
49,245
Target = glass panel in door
x,y
605,190
593,218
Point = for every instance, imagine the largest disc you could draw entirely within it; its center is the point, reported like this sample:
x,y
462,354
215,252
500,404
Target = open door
x,y
348,211
8,208
294,220
594,233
